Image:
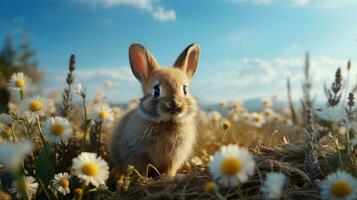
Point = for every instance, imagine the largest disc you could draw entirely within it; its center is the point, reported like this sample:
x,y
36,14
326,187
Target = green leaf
x,y
45,164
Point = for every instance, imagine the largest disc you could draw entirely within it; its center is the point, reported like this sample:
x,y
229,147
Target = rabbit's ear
x,y
188,59
142,62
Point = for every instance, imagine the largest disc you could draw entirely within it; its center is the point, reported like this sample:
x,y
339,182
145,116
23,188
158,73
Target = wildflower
x,y
102,113
5,119
78,90
57,130
273,185
246,116
268,113
266,102
4,196
339,186
116,111
19,82
276,118
107,84
12,154
133,104
214,116
35,107
236,105
27,185
226,124
78,192
210,187
287,122
232,165
223,104
91,168
61,182
257,120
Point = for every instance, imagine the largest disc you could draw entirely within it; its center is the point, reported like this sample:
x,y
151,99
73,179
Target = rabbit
x,y
161,131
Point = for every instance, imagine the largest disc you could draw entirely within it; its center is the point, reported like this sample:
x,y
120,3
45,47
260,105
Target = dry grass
x,y
189,184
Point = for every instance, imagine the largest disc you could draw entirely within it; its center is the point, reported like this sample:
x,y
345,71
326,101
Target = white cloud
x,y
158,12
164,15
301,2
324,4
263,2
252,78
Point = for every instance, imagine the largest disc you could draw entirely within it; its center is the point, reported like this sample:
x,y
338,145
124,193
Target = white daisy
x,y
35,107
223,104
276,118
266,102
91,168
5,119
273,185
214,116
12,154
246,117
61,182
257,120
78,89
103,113
268,113
232,165
339,186
27,185
57,130
19,82
107,84
287,122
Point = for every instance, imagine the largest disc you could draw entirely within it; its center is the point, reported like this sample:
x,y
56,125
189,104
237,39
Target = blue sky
x,y
249,47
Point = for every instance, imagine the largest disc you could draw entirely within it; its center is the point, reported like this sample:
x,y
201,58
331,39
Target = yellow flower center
x,y
341,189
102,115
90,169
23,186
257,119
210,186
35,106
226,124
63,182
20,83
57,129
231,166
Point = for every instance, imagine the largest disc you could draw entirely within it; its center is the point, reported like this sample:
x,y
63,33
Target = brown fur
x,y
156,132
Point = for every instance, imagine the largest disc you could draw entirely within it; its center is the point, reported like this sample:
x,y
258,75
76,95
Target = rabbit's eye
x,y
156,90
185,90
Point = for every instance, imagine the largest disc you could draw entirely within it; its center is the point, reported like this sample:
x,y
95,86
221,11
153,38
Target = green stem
x,y
99,135
21,95
224,136
44,189
338,151
350,153
42,138
240,192
219,196
85,120
13,133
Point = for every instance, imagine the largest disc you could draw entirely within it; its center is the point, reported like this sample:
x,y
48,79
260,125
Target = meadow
x,y
289,151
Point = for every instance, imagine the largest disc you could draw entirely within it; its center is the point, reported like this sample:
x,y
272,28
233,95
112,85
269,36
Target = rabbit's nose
x,y
174,104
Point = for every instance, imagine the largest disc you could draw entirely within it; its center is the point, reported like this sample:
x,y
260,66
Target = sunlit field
x,y
258,100
291,152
